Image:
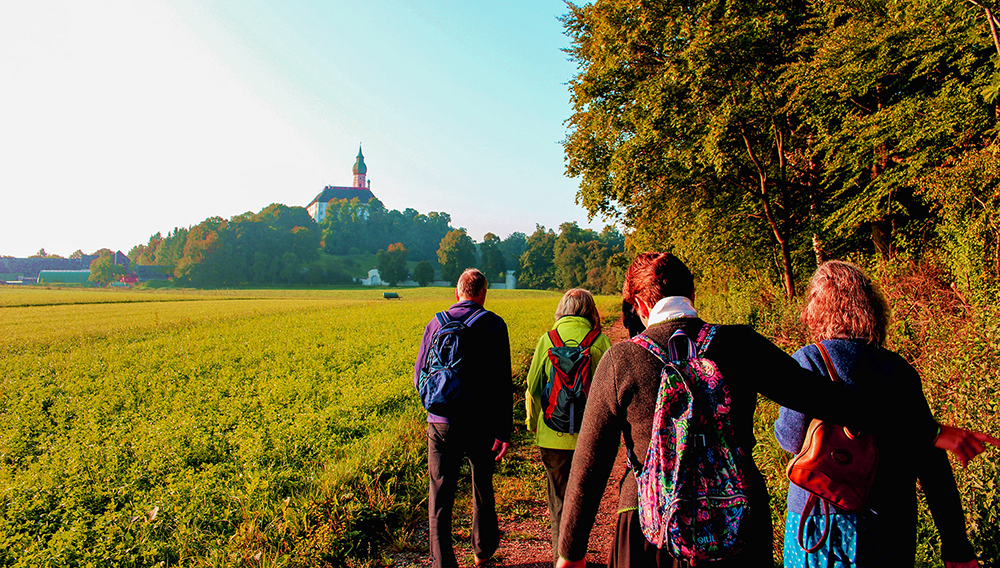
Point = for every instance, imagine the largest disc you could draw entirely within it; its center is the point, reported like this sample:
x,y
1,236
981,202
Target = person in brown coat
x,y
621,403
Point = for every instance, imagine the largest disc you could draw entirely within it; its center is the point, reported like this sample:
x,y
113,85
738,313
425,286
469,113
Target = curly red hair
x,y
843,303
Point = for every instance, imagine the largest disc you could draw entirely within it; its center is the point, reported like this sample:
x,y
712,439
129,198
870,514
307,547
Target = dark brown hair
x,y
656,275
471,284
843,303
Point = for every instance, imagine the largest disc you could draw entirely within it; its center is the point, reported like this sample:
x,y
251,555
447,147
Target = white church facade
x,y
361,190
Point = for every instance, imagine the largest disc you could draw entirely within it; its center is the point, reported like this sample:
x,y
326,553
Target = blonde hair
x,y
579,302
843,303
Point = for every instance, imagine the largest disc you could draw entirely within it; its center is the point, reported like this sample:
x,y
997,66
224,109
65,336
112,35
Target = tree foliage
x,y
392,264
491,259
512,248
423,273
456,253
352,227
765,136
103,270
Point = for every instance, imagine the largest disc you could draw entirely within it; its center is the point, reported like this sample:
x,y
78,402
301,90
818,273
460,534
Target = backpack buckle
x,y
698,440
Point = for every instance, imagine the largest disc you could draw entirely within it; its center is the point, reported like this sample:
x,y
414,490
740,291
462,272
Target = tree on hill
x,y
423,273
392,264
491,260
456,253
104,270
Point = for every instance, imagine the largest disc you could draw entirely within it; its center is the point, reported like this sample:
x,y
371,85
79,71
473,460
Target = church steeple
x,y
360,169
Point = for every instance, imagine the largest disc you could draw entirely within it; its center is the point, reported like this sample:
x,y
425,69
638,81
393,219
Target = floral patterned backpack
x,y
692,489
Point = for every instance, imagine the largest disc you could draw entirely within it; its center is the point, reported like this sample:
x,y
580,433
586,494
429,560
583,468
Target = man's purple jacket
x,y
488,384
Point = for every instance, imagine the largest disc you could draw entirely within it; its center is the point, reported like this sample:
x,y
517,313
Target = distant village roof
x,y
330,192
31,267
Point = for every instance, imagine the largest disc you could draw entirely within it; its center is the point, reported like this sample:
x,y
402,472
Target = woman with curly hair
x,y
847,316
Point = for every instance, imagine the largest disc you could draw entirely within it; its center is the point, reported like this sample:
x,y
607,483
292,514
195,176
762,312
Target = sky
x,y
120,119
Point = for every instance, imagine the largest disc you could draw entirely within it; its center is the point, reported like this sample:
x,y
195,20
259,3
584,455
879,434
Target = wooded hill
x,y
282,245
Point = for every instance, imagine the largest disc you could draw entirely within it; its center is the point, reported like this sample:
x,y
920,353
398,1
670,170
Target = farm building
x,y
64,277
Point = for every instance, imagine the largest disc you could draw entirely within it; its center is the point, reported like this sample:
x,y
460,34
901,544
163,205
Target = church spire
x,y
360,169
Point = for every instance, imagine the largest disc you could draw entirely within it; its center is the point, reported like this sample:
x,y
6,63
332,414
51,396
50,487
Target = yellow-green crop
x,y
215,428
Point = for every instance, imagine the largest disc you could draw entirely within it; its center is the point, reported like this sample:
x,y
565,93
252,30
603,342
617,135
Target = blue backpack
x,y
440,381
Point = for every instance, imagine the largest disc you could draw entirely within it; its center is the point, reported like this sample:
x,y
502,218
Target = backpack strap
x,y
643,340
705,337
678,339
590,339
555,339
828,362
469,320
443,318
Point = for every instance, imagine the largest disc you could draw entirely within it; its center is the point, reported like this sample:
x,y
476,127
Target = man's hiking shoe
x,y
483,561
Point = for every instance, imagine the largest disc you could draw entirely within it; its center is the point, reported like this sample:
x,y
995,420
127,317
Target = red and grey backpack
x,y
692,489
565,393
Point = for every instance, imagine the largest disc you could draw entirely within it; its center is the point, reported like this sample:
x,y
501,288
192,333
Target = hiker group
x,y
680,396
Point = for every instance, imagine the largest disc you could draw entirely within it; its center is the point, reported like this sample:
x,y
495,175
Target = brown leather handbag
x,y
835,465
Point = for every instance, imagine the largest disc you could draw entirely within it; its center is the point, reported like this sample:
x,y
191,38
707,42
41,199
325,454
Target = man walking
x,y
478,428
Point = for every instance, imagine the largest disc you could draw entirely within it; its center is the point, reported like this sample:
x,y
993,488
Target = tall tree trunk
x,y
881,241
787,278
818,250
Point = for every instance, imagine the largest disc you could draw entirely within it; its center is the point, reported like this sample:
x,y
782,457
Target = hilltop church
x,y
361,190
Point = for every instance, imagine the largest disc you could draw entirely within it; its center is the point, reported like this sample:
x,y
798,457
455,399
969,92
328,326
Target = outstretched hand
x,y
965,444
563,563
500,448
970,564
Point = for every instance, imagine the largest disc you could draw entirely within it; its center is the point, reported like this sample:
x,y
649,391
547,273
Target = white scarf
x,y
671,307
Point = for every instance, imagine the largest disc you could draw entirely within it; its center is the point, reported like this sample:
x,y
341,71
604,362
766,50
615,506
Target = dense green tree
x,y
537,267
679,109
423,273
456,253
291,268
77,254
392,264
104,270
491,259
352,227
512,248
892,91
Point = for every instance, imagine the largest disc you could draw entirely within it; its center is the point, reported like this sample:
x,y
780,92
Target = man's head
x,y
656,275
471,286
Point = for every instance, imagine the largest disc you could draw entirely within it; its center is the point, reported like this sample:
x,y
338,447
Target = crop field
x,y
214,428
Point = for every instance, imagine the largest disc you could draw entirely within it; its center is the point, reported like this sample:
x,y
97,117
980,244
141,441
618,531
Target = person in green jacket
x,y
576,317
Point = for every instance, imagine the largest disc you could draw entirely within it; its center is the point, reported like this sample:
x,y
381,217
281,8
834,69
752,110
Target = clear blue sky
x,y
119,118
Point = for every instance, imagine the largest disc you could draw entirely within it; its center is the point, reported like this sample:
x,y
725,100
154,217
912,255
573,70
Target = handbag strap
x,y
813,500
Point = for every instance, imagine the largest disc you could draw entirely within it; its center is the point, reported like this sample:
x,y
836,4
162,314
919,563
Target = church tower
x,y
360,169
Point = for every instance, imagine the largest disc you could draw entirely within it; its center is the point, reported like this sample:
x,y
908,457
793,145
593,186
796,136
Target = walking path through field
x,y
524,519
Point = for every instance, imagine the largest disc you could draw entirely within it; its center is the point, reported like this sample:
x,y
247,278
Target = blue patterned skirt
x,y
838,551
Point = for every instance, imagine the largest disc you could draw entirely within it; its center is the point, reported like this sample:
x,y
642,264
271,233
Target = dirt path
x,y
520,488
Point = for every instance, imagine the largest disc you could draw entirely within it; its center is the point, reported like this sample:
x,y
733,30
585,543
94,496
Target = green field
x,y
280,428
213,428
